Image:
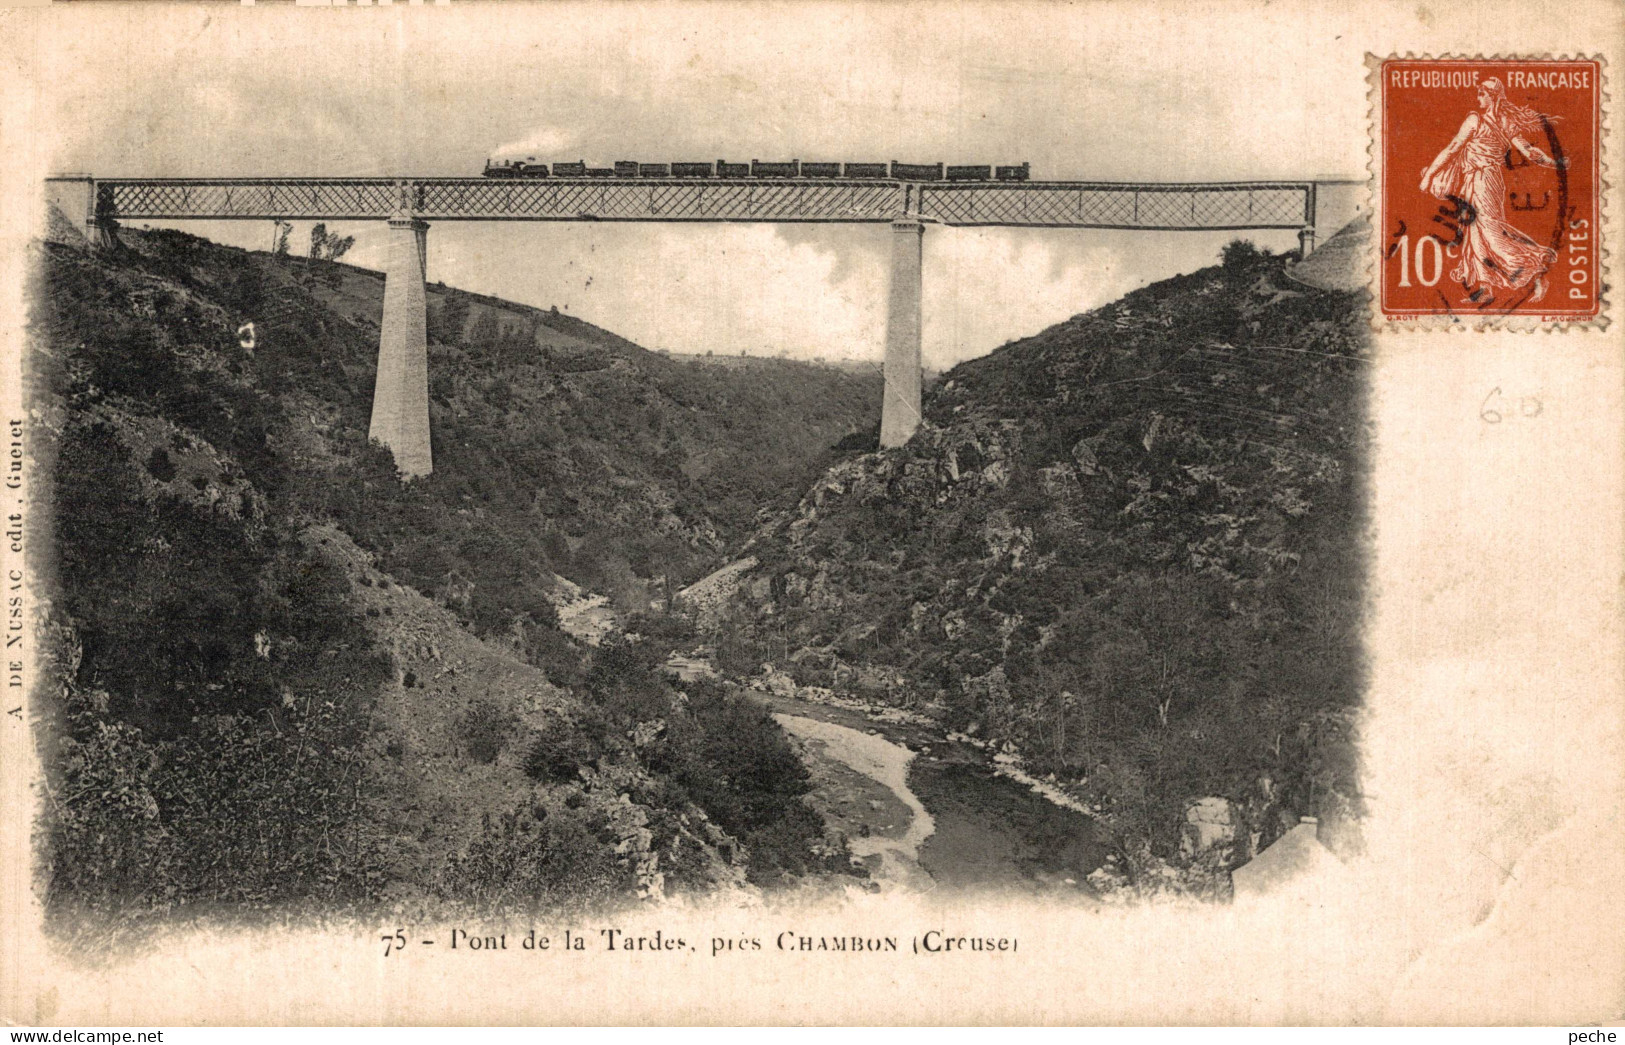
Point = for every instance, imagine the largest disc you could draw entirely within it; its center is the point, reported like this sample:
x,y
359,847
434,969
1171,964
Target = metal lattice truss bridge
x,y
1099,205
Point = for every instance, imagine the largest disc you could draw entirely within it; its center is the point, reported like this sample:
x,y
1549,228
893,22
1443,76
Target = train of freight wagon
x,y
895,171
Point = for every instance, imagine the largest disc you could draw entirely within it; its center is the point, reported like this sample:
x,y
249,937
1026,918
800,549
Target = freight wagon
x,y
758,169
916,171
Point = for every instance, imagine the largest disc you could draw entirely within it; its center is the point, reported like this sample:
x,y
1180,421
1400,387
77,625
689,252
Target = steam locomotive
x,y
529,168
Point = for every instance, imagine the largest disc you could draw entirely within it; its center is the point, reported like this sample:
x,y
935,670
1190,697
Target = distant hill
x,y
870,368
1129,546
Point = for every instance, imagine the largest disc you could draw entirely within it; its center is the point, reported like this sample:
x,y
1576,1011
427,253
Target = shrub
x,y
520,860
733,761
556,755
863,441
237,811
1241,253
159,466
553,651
485,730
786,846
624,681
110,851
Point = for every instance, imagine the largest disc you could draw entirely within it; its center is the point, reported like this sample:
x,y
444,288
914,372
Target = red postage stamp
x,y
1489,189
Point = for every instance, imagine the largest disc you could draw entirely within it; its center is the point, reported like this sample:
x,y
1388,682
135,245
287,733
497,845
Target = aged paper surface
x,y
1491,746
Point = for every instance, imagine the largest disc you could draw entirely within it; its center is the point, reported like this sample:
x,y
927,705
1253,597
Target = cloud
x,y
987,287
730,289
546,142
851,250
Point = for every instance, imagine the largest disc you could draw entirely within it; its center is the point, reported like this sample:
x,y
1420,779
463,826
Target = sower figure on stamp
x,y
1493,252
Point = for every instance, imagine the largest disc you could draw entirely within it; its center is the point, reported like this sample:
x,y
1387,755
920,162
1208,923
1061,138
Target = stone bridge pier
x,y
900,402
75,198
400,400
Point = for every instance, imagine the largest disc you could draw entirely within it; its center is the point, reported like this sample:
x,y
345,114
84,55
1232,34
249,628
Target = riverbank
x,y
860,779
985,830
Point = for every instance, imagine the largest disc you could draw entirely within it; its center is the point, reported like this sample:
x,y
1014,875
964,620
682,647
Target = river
x,y
927,814
888,843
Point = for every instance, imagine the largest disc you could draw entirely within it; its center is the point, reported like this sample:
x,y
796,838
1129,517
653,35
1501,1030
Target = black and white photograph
x,y
793,513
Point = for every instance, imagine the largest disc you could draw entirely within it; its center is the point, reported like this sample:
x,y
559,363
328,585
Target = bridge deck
x,y
1053,204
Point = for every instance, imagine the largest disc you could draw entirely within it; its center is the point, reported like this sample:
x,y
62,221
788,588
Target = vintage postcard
x,y
820,513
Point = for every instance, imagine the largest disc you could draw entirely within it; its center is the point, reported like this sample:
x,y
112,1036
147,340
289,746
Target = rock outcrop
x,y
1128,547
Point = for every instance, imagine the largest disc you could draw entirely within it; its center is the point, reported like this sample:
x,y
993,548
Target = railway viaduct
x,y
400,411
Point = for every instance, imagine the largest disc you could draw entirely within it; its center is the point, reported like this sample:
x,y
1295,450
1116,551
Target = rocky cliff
x,y
1128,547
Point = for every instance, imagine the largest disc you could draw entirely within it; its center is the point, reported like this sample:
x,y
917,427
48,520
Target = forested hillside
x,y
288,678
1129,547
1127,550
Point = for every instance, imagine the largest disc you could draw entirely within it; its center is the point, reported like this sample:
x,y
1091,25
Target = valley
x,y
659,629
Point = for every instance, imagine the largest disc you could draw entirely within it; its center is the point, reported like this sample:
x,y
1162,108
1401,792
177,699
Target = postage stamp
x,y
1489,189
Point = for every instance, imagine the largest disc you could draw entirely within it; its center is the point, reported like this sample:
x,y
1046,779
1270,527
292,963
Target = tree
x,y
279,246
446,323
1239,253
1057,718
325,246
485,333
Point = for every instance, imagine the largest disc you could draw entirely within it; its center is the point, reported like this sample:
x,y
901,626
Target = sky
x,y
435,91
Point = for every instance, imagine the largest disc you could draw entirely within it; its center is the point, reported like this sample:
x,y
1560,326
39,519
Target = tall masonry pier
x,y
400,399
1313,208
900,405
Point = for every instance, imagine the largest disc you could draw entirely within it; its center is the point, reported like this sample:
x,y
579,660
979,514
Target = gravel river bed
x,y
928,814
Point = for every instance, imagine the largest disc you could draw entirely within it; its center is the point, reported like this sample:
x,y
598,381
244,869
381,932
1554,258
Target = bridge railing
x,y
1105,205
248,198
1189,206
